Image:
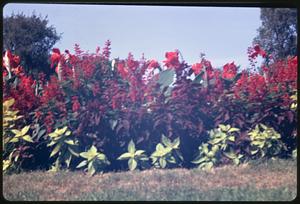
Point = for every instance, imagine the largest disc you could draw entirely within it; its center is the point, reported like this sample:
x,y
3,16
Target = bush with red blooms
x,y
107,102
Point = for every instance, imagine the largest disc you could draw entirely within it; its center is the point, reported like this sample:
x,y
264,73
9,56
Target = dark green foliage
x,y
31,38
278,32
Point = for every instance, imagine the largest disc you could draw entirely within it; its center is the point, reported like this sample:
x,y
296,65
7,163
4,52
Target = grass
x,y
274,180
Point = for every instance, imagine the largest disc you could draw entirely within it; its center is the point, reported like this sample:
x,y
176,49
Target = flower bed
x,y
95,109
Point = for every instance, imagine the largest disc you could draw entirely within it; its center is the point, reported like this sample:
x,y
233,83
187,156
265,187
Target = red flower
x,y
197,68
255,51
122,69
55,57
259,51
38,114
172,60
76,104
153,64
229,71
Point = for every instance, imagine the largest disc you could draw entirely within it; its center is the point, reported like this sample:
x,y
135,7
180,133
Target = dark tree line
x,y
278,33
31,38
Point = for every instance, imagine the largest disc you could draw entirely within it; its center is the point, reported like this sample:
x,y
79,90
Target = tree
x,y
31,38
278,32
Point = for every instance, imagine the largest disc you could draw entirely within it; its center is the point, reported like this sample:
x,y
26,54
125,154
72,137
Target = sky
x,y
223,34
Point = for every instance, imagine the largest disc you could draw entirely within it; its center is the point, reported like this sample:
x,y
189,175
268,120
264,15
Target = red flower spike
x,y
197,68
172,60
229,71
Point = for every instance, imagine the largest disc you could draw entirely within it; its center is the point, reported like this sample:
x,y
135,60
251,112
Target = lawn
x,y
273,180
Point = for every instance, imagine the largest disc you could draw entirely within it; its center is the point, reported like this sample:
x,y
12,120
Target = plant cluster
x,y
94,106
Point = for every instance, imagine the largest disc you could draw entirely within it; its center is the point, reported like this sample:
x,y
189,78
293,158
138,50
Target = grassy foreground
x,y
275,180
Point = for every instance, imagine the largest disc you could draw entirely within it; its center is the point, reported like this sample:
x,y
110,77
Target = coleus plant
x,y
134,157
64,146
265,141
94,160
15,142
167,152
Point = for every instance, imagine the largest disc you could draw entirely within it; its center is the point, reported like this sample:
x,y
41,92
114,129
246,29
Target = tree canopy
x,y
278,33
31,38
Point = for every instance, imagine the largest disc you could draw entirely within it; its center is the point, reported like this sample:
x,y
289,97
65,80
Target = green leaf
x,y
171,160
25,130
254,151
91,168
101,157
132,164
263,126
61,131
198,161
162,162
131,147
208,165
231,138
124,156
51,143
68,161
13,140
166,77
166,141
70,142
233,130
55,150
198,78
159,147
139,152
73,152
176,143
16,132
223,127
90,154
179,154
230,155
81,164
27,138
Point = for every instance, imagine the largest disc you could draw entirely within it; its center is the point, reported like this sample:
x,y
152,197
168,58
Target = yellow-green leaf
x,y
233,130
25,130
231,138
27,138
73,152
81,164
55,150
53,134
132,164
13,140
131,147
16,132
70,142
126,155
61,131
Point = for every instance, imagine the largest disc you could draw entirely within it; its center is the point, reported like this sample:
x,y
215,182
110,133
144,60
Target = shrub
x,y
107,103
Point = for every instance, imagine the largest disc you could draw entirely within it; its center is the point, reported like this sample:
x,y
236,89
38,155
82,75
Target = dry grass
x,y
148,184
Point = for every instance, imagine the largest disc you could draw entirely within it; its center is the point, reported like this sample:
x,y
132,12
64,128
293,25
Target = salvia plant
x,y
166,152
141,98
134,157
94,160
